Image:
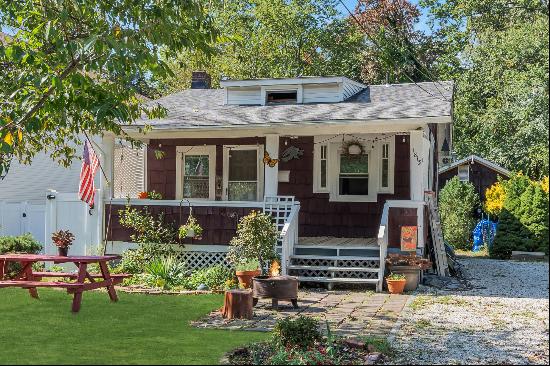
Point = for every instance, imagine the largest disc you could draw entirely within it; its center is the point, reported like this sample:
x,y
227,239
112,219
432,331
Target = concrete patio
x,y
348,313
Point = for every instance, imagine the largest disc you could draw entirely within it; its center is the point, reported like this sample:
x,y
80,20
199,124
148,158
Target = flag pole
x,y
99,162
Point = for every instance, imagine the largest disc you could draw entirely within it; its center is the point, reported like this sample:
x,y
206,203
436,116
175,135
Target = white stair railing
x,y
383,244
289,237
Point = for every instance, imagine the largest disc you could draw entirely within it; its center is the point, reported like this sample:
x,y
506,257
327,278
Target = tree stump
x,y
238,304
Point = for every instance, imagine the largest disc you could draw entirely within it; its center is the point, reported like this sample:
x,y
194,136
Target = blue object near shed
x,y
484,234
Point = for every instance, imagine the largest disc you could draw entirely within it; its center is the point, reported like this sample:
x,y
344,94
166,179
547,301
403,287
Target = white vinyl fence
x,y
60,211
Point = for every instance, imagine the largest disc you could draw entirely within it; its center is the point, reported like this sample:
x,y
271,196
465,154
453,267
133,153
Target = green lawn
x,y
139,329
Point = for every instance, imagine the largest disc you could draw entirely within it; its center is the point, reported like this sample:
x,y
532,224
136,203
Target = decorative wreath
x,y
352,148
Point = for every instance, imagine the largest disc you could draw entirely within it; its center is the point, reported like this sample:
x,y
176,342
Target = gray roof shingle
x,y
203,108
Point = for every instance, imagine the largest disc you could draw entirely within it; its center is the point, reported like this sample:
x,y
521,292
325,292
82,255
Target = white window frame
x,y
209,150
335,151
390,189
467,167
317,157
260,166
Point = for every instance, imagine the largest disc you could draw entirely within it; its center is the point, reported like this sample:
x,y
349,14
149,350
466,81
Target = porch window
x,y
323,170
242,173
195,176
195,172
354,175
385,167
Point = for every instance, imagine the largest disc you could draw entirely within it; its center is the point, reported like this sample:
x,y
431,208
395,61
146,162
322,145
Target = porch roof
x,y
204,108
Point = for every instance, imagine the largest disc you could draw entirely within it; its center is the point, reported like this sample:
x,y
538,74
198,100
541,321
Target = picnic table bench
x,y
28,279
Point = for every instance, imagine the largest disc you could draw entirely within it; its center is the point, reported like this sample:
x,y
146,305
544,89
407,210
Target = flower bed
x,y
336,352
299,342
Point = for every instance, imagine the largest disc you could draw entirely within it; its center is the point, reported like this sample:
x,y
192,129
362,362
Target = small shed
x,y
482,173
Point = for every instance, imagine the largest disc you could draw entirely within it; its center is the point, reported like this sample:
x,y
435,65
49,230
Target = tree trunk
x,y
238,304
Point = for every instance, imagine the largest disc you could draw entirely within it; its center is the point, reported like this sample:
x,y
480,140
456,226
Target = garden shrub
x,y
523,220
256,238
135,260
301,332
166,272
534,217
458,202
216,277
147,228
494,199
18,244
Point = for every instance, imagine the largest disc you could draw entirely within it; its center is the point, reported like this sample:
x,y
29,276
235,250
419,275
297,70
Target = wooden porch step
x,y
335,269
330,241
336,246
340,258
338,280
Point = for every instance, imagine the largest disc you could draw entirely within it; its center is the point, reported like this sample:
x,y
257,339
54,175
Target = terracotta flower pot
x,y
63,251
396,286
245,277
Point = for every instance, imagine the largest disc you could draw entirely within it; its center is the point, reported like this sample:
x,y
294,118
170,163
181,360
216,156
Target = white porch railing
x,y
185,203
383,244
289,237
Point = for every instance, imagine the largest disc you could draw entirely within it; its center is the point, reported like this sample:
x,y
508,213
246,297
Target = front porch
x,y
331,206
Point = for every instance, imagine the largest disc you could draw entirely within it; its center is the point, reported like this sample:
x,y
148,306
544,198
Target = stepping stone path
x,y
348,313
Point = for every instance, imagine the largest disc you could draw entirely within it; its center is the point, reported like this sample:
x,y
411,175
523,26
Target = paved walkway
x,y
348,313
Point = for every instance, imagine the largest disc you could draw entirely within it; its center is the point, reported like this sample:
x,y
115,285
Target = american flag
x,y
90,163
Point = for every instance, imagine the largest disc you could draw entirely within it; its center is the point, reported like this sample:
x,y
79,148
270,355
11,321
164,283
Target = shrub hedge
x,y
523,220
458,202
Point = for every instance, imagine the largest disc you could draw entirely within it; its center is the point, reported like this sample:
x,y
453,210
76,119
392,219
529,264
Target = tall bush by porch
x,y
255,240
458,202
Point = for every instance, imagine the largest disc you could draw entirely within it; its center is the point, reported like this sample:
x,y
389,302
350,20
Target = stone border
x,y
153,291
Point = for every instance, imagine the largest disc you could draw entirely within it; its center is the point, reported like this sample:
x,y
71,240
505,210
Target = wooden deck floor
x,y
329,241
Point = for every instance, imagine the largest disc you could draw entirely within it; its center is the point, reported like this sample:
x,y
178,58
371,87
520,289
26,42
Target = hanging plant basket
x,y
191,229
352,148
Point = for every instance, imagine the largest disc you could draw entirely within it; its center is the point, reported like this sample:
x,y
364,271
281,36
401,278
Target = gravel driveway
x,y
502,319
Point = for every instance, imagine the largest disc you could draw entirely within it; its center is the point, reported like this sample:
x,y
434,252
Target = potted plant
x,y
396,283
255,240
409,265
246,271
153,195
191,229
63,239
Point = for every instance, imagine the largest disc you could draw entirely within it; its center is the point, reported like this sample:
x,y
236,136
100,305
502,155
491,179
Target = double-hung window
x,y
242,173
321,178
387,166
195,172
353,178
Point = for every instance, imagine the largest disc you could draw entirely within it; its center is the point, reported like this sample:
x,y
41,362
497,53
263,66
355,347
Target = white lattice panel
x,y
129,171
358,263
195,260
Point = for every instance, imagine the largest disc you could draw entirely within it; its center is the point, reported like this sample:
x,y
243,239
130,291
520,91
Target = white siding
x,y
244,96
322,93
31,182
129,171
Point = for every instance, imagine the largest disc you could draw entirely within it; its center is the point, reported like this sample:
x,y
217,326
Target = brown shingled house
x,y
340,165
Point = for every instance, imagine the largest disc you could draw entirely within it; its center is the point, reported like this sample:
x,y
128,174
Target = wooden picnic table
x,y
28,279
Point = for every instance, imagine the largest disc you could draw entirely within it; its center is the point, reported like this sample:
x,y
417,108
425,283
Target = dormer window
x,y
282,97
